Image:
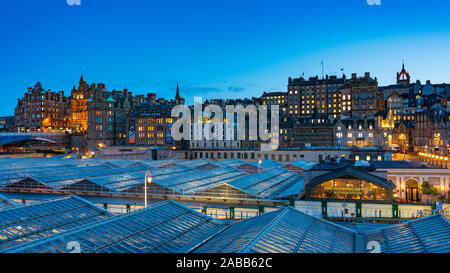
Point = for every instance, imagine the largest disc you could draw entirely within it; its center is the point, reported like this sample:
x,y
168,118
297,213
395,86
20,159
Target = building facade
x,y
276,98
79,100
323,95
359,96
152,125
107,117
42,111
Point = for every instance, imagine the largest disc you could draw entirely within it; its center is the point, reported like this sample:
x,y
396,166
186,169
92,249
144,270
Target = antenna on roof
x,y
321,63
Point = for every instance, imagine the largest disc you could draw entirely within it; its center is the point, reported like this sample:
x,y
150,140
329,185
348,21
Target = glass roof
x,y
284,231
165,227
24,224
267,184
430,234
170,227
6,202
267,164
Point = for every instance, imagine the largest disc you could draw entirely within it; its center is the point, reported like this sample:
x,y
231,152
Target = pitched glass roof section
x,y
231,163
165,227
24,224
198,181
267,164
28,183
126,181
9,175
426,235
284,231
194,163
268,184
304,164
236,236
63,181
295,189
5,202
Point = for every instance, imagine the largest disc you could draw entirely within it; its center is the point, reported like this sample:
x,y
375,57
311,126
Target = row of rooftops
x,y
170,227
268,180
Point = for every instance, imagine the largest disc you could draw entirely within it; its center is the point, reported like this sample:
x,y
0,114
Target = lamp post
x,y
259,165
148,179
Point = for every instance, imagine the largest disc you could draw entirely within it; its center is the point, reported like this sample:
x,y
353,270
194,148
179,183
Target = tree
x,y
428,189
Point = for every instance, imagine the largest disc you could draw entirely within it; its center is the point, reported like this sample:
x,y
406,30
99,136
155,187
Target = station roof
x,y
303,164
267,164
24,224
283,231
425,235
199,181
165,227
170,227
295,189
6,202
266,184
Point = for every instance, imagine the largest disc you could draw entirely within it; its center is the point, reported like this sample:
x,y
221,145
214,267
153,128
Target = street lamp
x,y
259,165
148,179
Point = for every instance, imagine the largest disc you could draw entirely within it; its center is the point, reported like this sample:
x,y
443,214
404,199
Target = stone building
x,y
7,124
359,96
323,95
315,131
152,124
356,132
107,117
42,111
79,100
276,98
431,131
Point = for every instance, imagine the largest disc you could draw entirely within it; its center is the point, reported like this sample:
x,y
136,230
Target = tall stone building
x,y
42,111
107,117
431,133
316,130
79,100
323,95
359,96
152,124
276,98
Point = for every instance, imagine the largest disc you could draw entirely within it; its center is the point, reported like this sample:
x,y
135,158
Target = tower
x,y
403,77
178,98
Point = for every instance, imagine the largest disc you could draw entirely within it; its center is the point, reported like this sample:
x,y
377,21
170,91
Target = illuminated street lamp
x,y
148,179
259,165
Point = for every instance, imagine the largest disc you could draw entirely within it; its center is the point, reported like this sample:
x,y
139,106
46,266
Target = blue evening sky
x,y
215,48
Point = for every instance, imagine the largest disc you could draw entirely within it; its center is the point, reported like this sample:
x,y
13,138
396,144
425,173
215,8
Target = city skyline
x,y
150,47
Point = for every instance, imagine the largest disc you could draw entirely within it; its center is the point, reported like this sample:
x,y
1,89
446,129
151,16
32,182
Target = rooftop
x,y
169,227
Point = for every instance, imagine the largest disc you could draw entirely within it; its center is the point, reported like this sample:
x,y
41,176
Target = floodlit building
x,y
42,111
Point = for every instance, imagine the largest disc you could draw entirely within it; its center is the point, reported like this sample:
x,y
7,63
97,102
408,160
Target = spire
x,y
403,76
178,98
178,92
81,82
